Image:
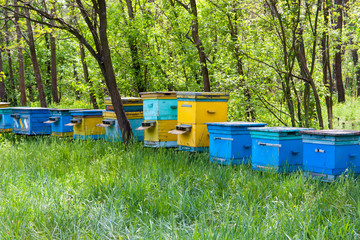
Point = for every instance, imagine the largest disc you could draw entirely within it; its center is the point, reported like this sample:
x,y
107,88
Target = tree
x,y
338,54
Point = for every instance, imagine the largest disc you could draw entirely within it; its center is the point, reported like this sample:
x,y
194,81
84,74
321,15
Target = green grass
x,y
54,188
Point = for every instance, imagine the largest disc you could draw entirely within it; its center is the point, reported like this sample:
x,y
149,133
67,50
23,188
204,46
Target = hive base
x,y
167,144
86,137
193,149
276,169
232,161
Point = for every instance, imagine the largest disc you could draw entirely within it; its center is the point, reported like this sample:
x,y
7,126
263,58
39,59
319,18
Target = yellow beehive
x,y
199,109
87,129
160,132
130,115
194,110
4,104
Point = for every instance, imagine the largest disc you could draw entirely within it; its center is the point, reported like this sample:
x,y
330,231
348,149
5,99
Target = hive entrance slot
x,y
181,129
74,122
52,120
146,125
17,116
106,123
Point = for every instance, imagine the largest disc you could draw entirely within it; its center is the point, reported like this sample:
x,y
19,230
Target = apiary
x,y
58,120
112,128
160,116
84,123
30,121
131,104
6,120
277,149
330,153
230,142
194,110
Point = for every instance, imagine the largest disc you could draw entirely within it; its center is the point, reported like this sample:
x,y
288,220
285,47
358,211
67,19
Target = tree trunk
x,y
20,58
355,57
54,88
107,69
3,96
12,94
199,46
328,82
338,53
134,51
34,60
86,77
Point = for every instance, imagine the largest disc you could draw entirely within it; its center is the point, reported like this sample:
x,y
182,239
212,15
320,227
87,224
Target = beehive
x,y
330,153
159,105
277,149
30,121
160,115
84,123
194,110
156,133
4,104
58,120
230,142
131,104
112,128
6,120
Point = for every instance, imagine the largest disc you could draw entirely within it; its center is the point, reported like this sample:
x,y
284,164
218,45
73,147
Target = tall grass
x,y
64,189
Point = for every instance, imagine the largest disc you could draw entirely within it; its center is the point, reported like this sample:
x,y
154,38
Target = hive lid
x,y
4,104
279,129
93,112
154,95
129,100
331,132
236,124
67,109
203,95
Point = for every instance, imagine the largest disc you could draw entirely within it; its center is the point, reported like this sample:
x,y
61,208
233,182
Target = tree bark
x,y
107,69
338,53
355,57
12,95
328,82
34,60
134,51
86,77
20,58
199,46
3,96
54,88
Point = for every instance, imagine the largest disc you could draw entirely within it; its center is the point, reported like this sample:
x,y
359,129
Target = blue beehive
x,y
30,121
230,142
276,149
5,120
58,120
330,153
159,105
113,132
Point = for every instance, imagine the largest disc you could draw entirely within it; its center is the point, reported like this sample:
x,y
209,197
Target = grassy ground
x,y
59,188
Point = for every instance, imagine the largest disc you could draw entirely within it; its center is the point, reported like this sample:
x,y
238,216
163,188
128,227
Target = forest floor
x,y
62,189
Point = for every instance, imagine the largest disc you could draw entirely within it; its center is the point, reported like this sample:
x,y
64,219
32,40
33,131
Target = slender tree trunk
x,y
34,60
11,94
134,51
86,77
54,88
338,53
355,57
328,82
76,77
3,96
107,69
199,46
20,58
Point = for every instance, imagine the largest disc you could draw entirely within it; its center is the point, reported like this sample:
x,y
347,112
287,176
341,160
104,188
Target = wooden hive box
x,y
4,104
6,121
230,142
113,132
277,149
85,123
159,105
195,109
131,104
30,121
330,153
156,133
58,120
